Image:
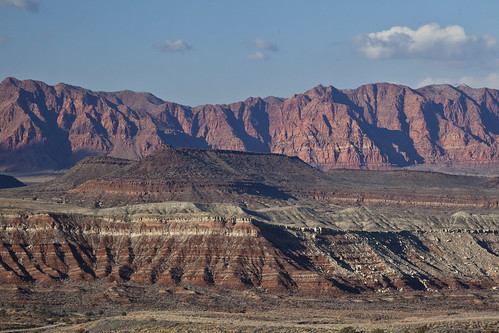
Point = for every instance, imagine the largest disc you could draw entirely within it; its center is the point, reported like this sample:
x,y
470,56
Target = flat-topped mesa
x,y
375,126
198,175
223,165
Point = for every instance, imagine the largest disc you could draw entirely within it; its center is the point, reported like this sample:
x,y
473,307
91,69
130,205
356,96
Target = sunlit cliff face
x,y
375,126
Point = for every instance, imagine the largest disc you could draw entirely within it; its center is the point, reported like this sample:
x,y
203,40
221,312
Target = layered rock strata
x,y
240,253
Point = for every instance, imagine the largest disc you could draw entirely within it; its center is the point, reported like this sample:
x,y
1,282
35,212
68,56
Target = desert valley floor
x,y
210,240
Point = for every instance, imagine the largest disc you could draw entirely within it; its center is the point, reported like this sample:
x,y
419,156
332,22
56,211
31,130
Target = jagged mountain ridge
x,y
375,126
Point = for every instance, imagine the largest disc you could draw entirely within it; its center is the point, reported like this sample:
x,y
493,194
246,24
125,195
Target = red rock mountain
x,y
375,126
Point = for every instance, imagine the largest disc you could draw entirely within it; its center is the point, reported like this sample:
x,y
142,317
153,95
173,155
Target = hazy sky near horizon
x,y
197,52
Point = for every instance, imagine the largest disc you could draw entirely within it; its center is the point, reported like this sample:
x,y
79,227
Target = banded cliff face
x,y
239,253
375,126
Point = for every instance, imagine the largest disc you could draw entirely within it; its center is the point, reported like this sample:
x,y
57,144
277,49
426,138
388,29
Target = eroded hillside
x,y
221,246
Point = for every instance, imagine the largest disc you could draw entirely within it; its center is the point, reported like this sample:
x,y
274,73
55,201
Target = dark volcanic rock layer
x,y
376,126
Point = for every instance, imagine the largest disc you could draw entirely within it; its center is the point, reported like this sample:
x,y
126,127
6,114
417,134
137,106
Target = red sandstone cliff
x,y
375,126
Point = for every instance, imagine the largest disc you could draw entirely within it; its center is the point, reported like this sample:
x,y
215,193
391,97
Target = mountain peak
x,y
317,91
10,81
274,100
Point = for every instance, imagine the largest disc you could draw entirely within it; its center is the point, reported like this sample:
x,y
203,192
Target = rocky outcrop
x,y
375,126
240,253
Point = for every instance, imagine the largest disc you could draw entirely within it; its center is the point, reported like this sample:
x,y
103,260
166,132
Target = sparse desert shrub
x,y
81,330
3,313
123,313
378,330
170,324
422,329
101,312
348,329
89,313
491,330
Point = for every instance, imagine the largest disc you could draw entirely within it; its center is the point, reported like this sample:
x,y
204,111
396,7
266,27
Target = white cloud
x,y
255,56
430,81
489,81
430,42
31,5
175,46
264,45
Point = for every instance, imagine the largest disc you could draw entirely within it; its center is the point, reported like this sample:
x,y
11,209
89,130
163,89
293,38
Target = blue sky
x,y
196,52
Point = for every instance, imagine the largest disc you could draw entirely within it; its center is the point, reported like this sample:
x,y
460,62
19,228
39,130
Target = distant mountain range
x,y
376,126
